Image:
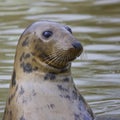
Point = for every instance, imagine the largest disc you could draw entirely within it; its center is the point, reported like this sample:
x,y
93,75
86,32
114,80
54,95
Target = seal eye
x,y
47,34
69,29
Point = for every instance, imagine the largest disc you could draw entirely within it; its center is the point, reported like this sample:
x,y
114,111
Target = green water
x,y
96,23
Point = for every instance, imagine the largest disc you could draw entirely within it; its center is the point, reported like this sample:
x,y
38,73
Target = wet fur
x,y
42,87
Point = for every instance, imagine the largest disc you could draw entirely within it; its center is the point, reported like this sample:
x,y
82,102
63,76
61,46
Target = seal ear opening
x,y
68,29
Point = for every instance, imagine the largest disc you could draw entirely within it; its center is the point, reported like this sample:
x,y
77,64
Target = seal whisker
x,y
60,59
52,56
55,58
49,57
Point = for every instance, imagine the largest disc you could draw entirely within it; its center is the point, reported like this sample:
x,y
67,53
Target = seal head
x,y
49,43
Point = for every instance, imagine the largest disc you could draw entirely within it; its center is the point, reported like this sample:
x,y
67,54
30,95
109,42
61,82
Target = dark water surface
x,y
96,23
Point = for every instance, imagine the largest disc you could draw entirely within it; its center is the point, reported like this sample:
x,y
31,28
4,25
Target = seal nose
x,y
77,45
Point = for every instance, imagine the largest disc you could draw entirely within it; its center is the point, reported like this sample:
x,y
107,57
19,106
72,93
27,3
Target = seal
x,y
42,86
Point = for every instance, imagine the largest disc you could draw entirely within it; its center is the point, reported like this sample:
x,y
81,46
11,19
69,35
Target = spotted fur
x,y
14,78
50,76
25,42
22,118
42,87
21,92
27,67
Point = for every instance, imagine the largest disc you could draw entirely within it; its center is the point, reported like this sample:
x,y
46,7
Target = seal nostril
x,y
77,45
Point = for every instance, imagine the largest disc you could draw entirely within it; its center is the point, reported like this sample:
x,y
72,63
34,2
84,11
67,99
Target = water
x,y
96,23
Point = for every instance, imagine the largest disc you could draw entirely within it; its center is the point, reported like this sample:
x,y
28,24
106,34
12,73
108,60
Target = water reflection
x,y
94,22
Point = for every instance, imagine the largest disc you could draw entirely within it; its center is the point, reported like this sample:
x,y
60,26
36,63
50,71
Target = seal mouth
x,y
60,59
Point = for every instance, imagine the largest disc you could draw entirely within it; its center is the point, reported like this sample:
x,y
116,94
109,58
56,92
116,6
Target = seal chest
x,y
42,87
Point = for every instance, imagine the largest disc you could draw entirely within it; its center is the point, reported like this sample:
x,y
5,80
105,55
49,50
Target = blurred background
x,y
96,24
